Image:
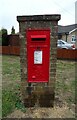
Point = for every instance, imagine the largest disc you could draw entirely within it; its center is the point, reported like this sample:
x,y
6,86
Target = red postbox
x,y
38,55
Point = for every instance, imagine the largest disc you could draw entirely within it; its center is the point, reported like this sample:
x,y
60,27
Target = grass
x,y
10,71
65,83
9,99
11,85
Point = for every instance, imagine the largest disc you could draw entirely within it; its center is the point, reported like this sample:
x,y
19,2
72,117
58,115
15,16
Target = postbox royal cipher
x,y
38,55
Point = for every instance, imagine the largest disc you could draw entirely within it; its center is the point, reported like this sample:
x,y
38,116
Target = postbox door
x,y
38,53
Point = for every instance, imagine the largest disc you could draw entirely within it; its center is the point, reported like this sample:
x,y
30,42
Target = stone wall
x,y
41,94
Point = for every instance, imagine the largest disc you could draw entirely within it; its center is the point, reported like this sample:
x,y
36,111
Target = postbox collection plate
x,y
38,55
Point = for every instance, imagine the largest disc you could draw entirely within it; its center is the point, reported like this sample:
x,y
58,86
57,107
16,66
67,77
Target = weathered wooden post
x,y
38,55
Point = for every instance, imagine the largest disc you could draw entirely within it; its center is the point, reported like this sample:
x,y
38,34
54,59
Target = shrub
x,y
5,40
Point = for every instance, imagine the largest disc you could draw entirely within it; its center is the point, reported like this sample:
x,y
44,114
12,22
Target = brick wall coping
x,y
48,17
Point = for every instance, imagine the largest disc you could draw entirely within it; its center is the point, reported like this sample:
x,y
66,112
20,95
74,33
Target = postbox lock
x,y
38,48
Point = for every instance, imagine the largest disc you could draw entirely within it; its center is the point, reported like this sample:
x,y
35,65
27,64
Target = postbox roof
x,y
48,17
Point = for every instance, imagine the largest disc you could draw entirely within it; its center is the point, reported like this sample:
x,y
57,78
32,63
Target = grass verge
x,y
65,83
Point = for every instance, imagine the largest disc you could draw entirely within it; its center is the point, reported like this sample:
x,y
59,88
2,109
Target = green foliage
x,y
4,31
20,105
0,37
0,40
8,102
5,40
13,30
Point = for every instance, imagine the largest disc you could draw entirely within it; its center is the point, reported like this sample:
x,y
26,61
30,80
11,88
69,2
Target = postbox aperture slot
x,y
38,37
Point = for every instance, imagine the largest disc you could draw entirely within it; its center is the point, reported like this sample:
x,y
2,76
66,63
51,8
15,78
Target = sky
x,y
10,9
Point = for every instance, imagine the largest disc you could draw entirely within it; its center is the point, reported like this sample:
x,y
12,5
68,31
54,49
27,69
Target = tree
x,y
12,30
0,37
5,40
